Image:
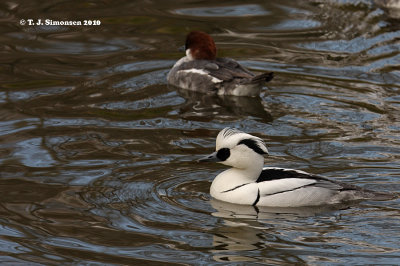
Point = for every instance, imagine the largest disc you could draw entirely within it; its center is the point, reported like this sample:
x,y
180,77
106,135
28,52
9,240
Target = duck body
x,y
280,187
249,183
200,70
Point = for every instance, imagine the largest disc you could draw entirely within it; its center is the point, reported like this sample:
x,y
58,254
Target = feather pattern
x,y
231,137
248,182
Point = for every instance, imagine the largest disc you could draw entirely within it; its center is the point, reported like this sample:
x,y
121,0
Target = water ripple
x,y
224,11
97,152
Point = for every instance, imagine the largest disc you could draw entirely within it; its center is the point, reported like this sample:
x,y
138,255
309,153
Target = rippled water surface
x,y
97,152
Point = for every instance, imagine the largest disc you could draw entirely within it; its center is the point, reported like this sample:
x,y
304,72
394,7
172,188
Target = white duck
x,y
247,182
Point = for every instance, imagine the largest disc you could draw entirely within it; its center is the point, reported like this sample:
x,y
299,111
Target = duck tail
x,y
265,77
381,196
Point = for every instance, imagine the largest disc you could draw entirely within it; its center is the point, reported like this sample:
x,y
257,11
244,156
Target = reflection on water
x,y
229,210
97,153
208,107
224,11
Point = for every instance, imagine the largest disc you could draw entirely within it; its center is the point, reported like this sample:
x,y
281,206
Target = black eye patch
x,y
252,144
223,154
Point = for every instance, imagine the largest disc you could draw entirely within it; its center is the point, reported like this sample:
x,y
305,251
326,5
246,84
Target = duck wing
x,y
280,180
228,69
293,188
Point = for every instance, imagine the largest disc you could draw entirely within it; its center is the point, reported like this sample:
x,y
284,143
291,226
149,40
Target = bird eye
x,y
223,154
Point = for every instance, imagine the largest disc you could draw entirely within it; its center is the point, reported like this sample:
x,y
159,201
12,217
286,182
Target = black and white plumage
x,y
249,183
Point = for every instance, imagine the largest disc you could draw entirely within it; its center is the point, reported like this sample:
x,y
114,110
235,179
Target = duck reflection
x,y
259,229
204,107
230,210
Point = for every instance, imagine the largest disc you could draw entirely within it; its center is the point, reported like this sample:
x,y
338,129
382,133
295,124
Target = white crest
x,y
230,137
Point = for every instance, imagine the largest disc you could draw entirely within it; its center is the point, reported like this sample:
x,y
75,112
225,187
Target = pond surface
x,y
97,153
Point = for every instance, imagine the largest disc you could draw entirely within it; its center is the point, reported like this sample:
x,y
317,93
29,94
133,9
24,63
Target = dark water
x,y
96,151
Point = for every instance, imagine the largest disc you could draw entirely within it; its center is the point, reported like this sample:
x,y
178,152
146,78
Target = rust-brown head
x,y
200,45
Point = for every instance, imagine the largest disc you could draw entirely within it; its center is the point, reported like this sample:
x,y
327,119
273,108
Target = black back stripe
x,y
252,144
289,190
232,189
276,174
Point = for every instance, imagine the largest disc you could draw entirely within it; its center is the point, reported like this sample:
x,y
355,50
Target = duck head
x,y
238,150
200,46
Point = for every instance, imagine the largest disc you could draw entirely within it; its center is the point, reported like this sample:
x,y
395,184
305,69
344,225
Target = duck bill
x,y
210,158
